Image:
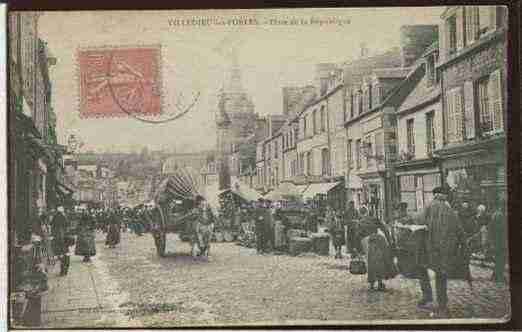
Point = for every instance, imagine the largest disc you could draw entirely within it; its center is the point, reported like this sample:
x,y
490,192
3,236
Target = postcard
x,y
258,167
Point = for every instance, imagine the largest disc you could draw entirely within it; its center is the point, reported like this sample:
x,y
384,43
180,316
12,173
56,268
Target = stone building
x,y
34,154
373,97
419,132
474,69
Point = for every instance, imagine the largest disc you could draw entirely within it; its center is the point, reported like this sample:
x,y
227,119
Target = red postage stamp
x,y
119,81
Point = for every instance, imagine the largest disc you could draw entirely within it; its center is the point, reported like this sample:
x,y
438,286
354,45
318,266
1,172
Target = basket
x,y
357,266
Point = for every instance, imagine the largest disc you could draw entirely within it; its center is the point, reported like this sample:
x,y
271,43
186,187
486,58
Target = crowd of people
x,y
446,234
77,227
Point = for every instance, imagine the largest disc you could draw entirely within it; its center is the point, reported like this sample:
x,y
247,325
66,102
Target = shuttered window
x,y
454,117
485,116
460,28
469,110
495,101
472,24
379,145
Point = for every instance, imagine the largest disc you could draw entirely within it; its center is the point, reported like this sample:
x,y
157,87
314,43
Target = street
x,y
130,286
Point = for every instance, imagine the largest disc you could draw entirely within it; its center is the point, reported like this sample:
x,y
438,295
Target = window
x,y
454,123
365,99
314,122
325,158
349,155
357,103
379,145
309,163
471,23
323,120
351,105
410,135
358,153
368,150
296,134
487,17
431,73
489,97
451,26
376,94
430,133
276,149
305,132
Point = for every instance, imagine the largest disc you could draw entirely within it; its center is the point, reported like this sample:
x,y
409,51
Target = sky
x,y
271,55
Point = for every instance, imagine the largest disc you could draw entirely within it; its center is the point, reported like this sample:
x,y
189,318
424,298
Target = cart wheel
x,y
160,241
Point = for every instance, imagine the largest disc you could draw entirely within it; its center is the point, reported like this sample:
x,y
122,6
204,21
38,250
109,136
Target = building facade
x,y
419,132
473,68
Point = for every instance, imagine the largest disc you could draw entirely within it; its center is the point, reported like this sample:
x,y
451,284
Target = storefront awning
x,y
318,188
286,191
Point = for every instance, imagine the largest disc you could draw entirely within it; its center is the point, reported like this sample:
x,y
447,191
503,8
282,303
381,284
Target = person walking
x,y
86,244
113,232
60,242
336,229
498,239
442,243
380,253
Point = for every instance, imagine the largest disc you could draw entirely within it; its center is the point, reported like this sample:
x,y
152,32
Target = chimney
x,y
414,40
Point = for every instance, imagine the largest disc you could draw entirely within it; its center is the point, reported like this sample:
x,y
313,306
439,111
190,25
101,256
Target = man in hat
x,y
442,242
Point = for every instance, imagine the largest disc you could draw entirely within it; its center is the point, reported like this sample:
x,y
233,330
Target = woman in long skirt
x,y
380,256
86,245
113,233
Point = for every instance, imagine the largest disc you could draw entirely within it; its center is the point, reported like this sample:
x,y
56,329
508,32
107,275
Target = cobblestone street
x,y
131,286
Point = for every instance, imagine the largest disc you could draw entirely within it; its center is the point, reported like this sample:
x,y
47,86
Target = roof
x,y
391,72
318,188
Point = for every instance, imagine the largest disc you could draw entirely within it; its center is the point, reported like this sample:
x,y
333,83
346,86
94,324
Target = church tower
x,y
235,120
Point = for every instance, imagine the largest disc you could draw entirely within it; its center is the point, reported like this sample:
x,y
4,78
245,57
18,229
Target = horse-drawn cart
x,y
172,212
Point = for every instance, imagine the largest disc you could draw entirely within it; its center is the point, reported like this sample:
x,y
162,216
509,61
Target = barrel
x,y
299,245
321,244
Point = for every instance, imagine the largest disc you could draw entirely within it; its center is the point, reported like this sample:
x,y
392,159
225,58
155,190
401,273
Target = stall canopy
x,y
318,188
286,191
243,191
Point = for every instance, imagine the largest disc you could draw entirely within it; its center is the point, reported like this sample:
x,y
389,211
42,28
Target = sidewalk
x,y
85,297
